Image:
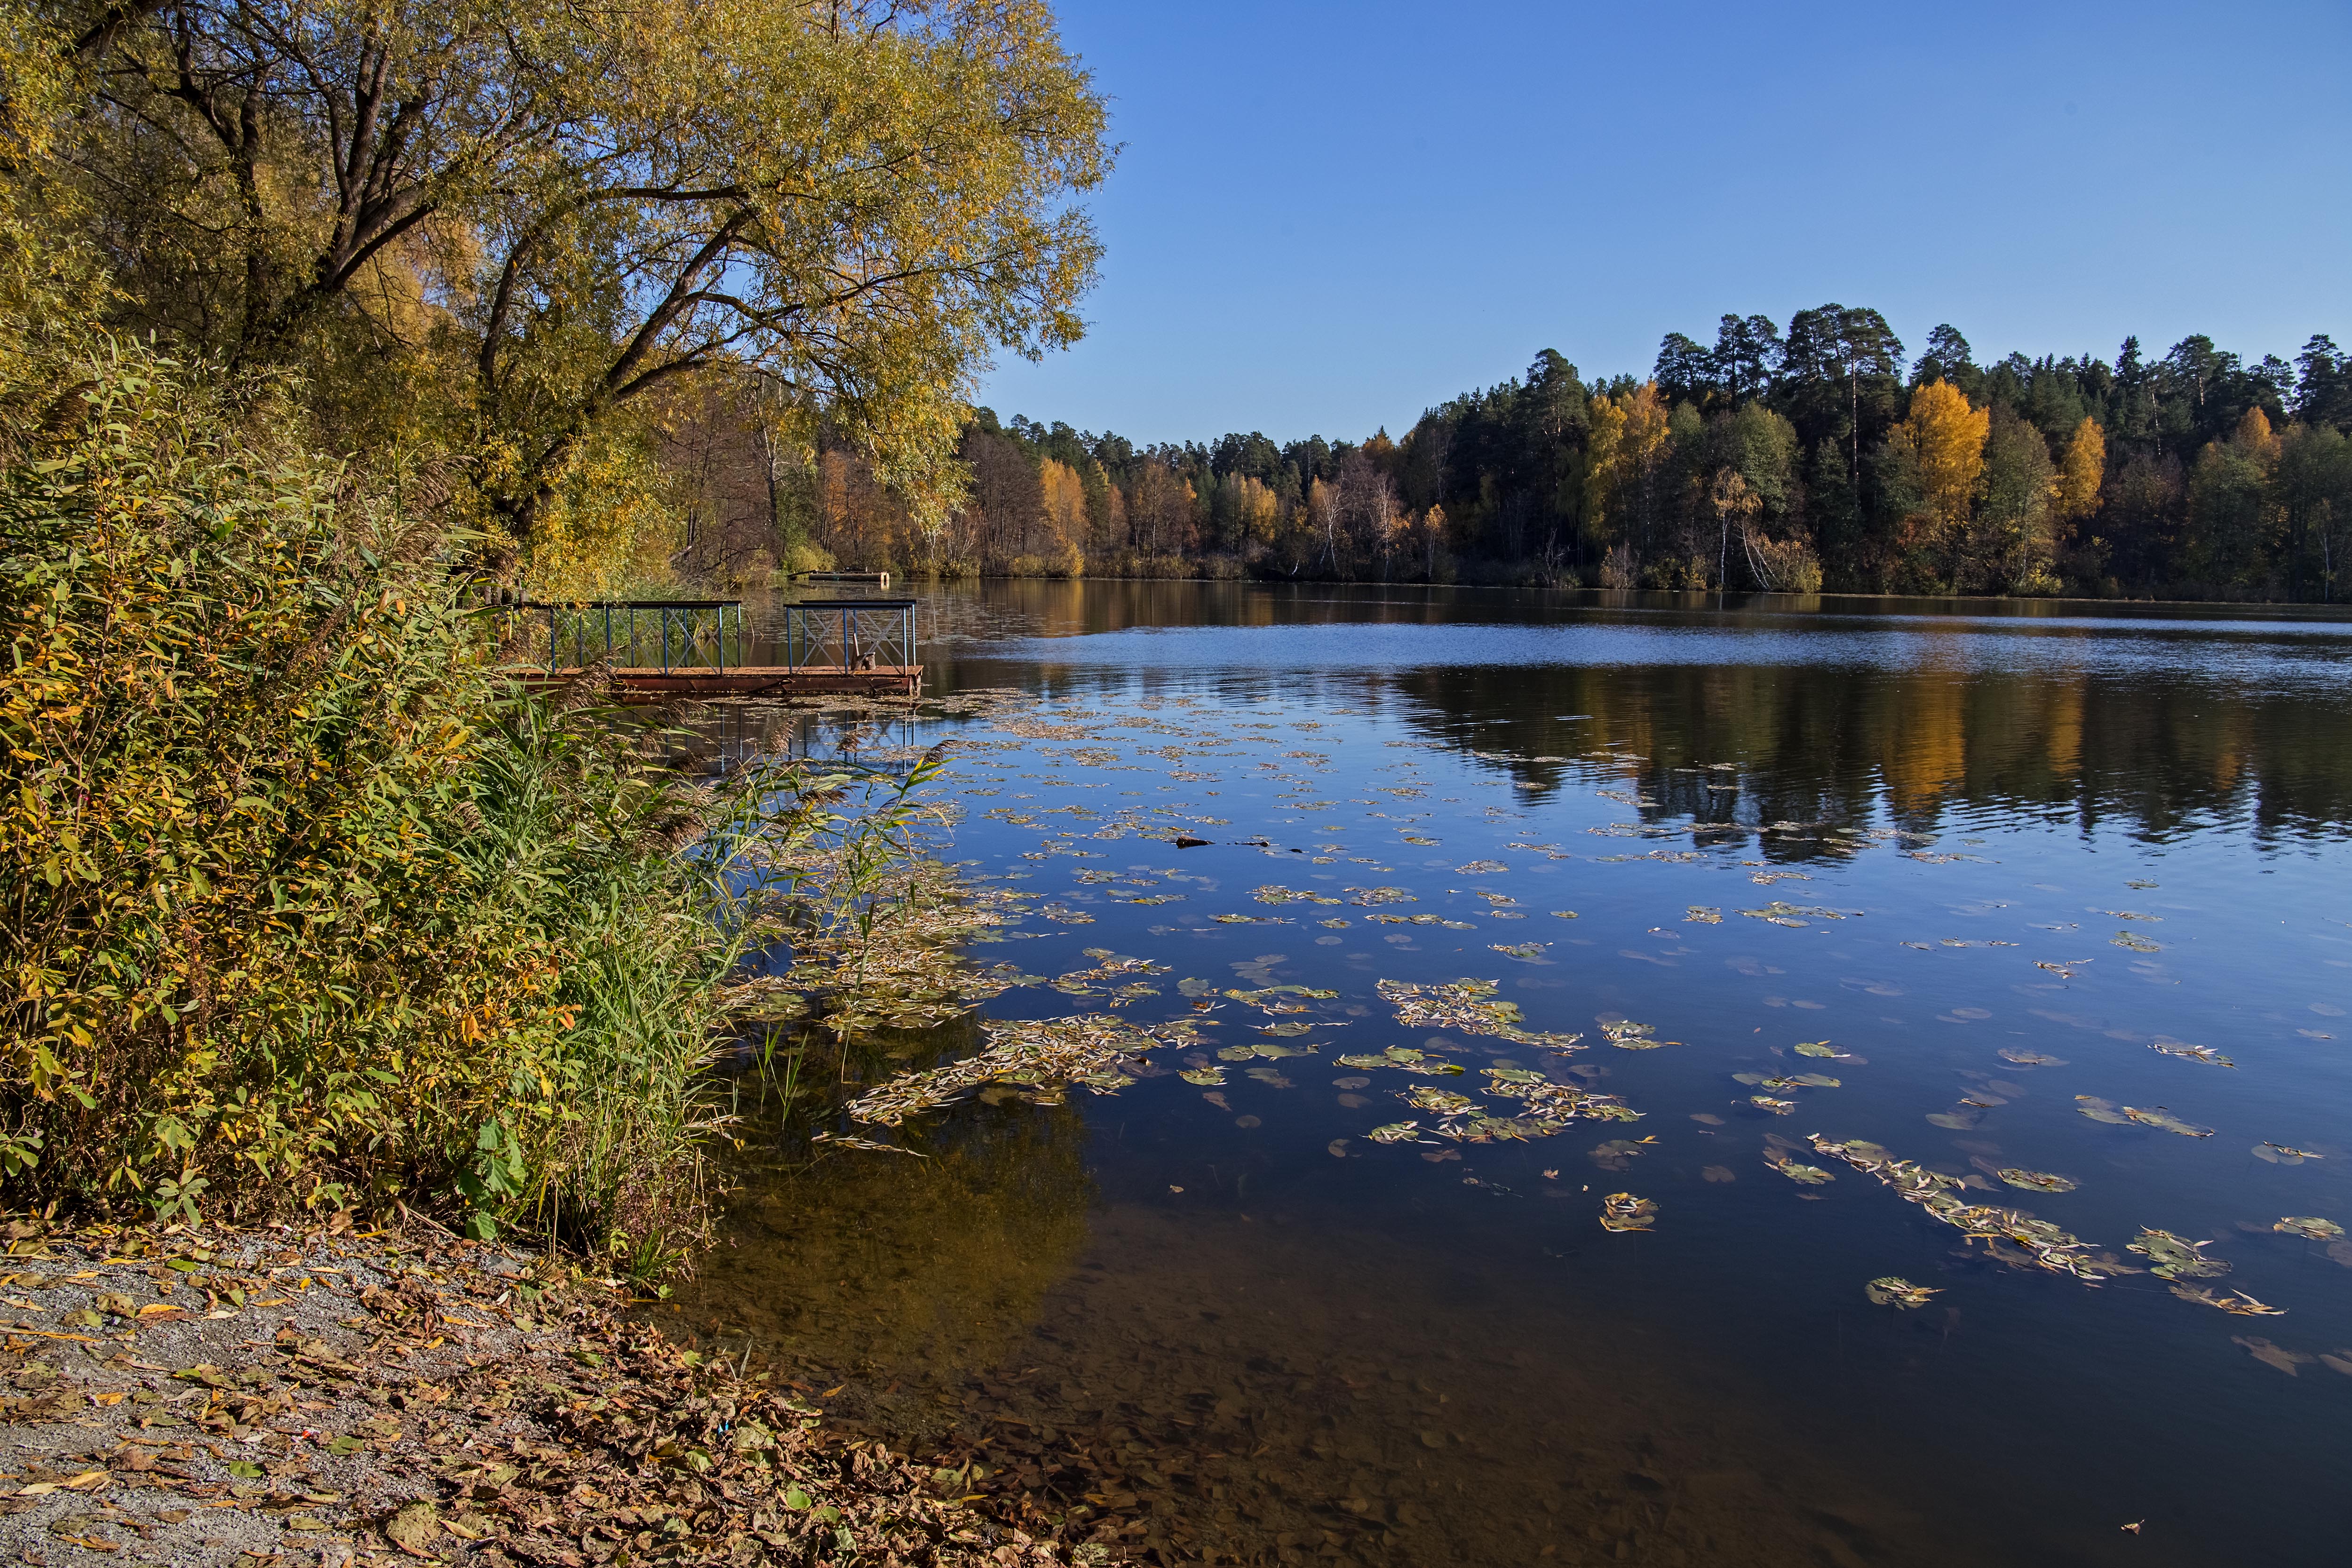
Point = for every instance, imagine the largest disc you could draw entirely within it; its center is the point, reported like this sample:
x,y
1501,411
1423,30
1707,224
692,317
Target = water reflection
x,y
2165,723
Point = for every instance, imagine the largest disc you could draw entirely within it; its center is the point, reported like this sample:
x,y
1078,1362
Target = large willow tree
x,y
491,223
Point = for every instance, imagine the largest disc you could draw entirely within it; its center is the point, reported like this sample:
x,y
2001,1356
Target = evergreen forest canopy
x,y
1812,459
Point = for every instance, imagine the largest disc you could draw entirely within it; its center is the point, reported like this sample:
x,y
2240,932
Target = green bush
x,y
304,904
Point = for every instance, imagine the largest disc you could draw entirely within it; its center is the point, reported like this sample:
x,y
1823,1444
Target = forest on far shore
x,y
1824,457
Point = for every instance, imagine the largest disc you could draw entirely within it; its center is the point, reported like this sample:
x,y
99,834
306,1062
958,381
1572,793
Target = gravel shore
x,y
246,1397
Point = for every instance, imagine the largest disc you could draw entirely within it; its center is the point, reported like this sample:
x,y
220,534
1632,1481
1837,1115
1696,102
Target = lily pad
x,y
2175,1257
2206,1053
1894,1291
2034,1180
1623,1211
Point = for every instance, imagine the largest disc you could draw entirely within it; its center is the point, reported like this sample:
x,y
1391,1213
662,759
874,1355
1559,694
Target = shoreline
x,y
217,1396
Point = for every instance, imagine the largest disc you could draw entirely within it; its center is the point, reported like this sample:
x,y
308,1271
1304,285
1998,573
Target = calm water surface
x,y
1228,1323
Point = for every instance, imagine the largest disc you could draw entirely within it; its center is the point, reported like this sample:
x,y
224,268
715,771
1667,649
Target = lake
x,y
2032,908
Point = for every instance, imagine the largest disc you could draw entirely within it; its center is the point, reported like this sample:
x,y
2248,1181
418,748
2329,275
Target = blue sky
x,y
1327,217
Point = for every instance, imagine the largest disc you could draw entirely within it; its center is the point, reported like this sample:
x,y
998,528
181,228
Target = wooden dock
x,y
651,684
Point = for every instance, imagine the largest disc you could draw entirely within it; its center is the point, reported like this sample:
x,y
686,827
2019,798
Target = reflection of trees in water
x,y
930,1266
1828,744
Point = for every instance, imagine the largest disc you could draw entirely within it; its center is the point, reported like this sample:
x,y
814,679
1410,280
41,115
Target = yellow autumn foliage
x,y
1942,438
2081,470
1628,443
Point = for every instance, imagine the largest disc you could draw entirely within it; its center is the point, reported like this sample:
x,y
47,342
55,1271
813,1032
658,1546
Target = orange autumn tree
x,y
1940,446
2082,470
1627,454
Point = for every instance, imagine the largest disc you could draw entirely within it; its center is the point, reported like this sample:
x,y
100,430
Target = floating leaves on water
x,y
1336,1148
842,1140
1268,1076
1275,893
1094,982
2176,1257
2310,1226
1085,1049
1466,1006
1526,952
1786,914
1206,1078
1405,1058
1265,1049
2280,1154
1513,1075
1894,1291
1381,895
2045,1245
1823,1049
1795,1171
1411,838
1617,1154
2137,942
2237,1302
1250,919
1285,1031
1717,1174
1565,914
1962,1118
1397,1132
2159,1117
1444,1101
1481,868
2098,1109
2016,1058
1623,1211
1702,914
2034,1180
1627,1036
1777,1107
1270,997
2207,1054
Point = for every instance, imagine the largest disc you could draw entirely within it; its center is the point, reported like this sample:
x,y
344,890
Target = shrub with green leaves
x,y
299,901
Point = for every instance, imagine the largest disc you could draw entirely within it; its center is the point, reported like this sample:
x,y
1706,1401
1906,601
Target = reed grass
x,y
303,903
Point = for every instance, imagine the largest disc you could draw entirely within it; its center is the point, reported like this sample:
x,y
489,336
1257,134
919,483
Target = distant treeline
x,y
1821,457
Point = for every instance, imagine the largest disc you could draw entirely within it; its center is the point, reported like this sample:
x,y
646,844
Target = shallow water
x,y
1242,1330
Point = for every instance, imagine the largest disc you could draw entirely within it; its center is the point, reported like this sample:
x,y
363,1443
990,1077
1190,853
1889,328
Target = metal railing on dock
x,y
686,637
680,633
849,634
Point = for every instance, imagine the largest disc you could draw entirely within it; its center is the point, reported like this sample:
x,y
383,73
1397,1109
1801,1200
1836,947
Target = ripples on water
x,y
2055,835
